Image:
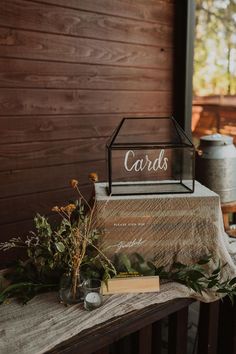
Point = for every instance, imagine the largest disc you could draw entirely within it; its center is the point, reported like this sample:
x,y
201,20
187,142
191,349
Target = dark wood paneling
x,y
25,207
58,20
178,332
146,10
145,340
38,74
208,328
28,101
52,47
33,155
28,181
69,71
18,129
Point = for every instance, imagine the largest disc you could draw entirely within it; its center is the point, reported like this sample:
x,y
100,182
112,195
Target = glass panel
x,y
150,155
149,131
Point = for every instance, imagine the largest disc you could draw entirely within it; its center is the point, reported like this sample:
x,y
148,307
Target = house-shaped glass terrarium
x,y
150,156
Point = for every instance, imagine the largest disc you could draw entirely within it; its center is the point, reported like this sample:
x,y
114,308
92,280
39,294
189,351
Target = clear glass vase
x,y
66,293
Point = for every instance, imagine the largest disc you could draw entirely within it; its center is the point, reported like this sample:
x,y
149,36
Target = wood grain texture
x,y
27,101
146,10
27,181
32,128
69,71
26,206
58,20
52,47
178,332
208,328
38,74
145,340
119,316
34,155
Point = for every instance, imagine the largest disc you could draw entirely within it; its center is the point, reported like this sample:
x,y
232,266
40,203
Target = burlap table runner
x,y
43,322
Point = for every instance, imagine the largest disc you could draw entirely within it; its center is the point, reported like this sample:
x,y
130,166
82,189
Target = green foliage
x,y
215,47
24,282
50,257
24,291
195,276
134,263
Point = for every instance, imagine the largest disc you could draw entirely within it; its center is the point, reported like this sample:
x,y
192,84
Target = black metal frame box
x,y
150,155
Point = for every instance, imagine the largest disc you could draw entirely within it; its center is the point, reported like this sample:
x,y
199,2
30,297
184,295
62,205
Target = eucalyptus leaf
x,y
139,258
204,260
195,275
144,269
212,283
178,265
123,263
232,281
60,246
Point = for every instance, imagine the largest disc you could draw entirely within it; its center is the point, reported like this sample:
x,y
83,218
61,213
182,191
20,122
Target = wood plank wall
x,y
69,71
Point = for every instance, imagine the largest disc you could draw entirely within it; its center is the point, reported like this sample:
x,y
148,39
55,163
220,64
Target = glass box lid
x,y
149,131
150,155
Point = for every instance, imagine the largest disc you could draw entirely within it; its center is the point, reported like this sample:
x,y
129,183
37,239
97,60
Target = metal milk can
x,y
216,165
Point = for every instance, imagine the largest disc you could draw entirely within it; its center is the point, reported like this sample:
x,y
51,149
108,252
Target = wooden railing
x,y
214,115
140,332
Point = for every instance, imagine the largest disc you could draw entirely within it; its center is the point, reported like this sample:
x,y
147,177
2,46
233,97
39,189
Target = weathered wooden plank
x,y
52,47
25,207
30,155
102,351
147,10
127,345
105,334
28,181
27,102
208,328
227,327
53,19
38,74
145,340
14,229
16,129
156,337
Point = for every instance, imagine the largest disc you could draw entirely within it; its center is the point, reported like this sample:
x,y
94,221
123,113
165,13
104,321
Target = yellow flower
x,y
74,183
56,208
93,177
69,208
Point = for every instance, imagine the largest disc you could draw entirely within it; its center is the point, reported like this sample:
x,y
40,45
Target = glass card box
x,y
150,156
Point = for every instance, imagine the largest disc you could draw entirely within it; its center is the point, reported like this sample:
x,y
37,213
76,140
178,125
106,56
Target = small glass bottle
x,y
92,294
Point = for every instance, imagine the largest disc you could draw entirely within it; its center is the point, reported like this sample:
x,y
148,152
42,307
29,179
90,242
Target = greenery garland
x,y
194,276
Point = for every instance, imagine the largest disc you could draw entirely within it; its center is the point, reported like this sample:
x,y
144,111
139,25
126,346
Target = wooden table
x,y
140,332
45,326
143,328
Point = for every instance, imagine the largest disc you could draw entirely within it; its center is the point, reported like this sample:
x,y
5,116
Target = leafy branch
x,y
24,291
194,276
67,250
